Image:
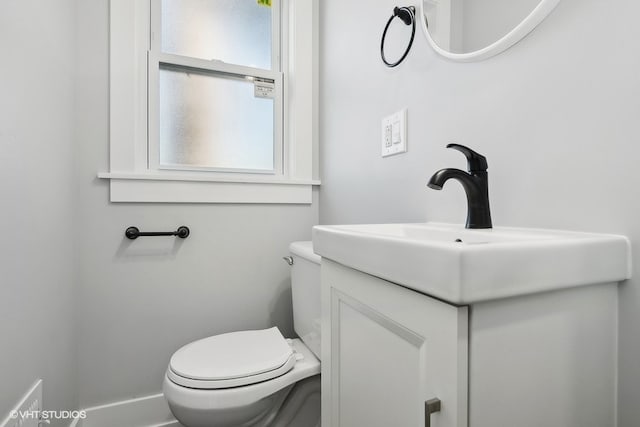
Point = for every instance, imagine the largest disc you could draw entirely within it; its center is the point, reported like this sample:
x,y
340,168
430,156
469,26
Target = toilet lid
x,y
233,359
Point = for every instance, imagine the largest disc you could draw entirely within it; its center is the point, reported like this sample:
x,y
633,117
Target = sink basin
x,y
463,266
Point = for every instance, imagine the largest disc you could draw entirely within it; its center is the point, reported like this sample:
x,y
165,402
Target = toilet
x,y
255,378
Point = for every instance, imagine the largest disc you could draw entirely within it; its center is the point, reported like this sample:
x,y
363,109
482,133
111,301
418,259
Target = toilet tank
x,y
305,294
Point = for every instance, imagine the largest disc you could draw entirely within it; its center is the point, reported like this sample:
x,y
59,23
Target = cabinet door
x,y
386,350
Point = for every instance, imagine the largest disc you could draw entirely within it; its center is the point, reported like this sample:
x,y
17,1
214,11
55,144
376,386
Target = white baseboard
x,y
31,401
149,411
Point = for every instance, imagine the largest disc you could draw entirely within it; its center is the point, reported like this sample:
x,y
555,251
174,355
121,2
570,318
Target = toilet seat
x,y
232,360
200,399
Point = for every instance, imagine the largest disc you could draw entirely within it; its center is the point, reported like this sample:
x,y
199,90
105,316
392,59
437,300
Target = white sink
x,y
464,266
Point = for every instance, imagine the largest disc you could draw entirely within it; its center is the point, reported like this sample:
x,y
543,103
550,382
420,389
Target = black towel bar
x,y
134,233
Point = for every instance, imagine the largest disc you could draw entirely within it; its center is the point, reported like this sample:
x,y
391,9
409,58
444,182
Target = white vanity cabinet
x,y
506,327
386,350
546,359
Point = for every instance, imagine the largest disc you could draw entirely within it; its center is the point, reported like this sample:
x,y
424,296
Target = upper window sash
x,y
279,20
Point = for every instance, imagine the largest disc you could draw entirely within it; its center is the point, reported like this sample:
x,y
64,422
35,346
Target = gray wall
x,y
140,301
557,116
486,21
37,256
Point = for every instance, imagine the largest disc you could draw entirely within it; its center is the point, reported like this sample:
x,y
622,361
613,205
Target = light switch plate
x,y
394,133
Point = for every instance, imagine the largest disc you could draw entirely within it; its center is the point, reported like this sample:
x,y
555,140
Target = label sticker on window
x,y
263,89
265,3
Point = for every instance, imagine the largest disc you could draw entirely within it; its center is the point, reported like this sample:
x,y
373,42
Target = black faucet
x,y
475,184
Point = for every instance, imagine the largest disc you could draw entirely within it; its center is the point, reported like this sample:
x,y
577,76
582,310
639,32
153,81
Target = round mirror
x,y
471,30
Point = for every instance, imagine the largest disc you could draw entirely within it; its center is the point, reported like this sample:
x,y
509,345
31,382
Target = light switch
x,y
394,133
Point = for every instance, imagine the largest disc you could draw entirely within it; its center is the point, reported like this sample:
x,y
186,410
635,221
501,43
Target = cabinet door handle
x,y
430,406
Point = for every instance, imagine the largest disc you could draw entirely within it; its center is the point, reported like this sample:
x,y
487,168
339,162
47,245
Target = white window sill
x,y
127,187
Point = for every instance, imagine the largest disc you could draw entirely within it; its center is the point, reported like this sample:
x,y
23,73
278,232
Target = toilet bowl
x,y
254,378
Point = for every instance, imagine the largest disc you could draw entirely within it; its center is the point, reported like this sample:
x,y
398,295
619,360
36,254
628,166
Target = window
x,y
219,85
213,101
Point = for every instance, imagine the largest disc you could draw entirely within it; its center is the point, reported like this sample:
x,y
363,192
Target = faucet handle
x,y
476,162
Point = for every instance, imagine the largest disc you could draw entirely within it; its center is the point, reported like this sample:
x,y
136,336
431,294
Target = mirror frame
x,y
536,16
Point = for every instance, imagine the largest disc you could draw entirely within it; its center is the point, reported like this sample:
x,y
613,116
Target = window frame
x,y
133,174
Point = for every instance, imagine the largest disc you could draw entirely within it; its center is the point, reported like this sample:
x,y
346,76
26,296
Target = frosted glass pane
x,y
233,31
213,121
